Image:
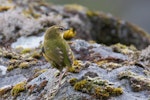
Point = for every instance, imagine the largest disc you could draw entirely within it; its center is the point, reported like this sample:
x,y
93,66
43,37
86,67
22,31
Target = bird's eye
x,y
61,28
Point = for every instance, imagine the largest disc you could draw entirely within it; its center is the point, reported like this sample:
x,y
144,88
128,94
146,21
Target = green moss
x,y
29,59
101,93
91,41
114,91
12,64
74,7
39,72
26,50
80,85
105,92
123,48
108,65
24,65
36,55
140,82
73,81
34,62
15,57
100,82
1,53
83,86
125,74
101,63
101,89
109,88
30,12
117,91
72,69
91,13
18,88
77,67
97,81
9,68
7,55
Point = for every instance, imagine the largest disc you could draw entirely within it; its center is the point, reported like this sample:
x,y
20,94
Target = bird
x,y
56,50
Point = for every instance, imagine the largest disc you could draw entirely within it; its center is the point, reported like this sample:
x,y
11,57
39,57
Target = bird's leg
x,y
55,91
61,76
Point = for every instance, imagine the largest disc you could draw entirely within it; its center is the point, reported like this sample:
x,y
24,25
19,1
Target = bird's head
x,y
55,31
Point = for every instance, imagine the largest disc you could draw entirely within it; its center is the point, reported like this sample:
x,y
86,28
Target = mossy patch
x,y
74,7
31,13
97,87
18,88
39,72
108,65
120,48
24,65
80,85
83,86
73,81
138,82
19,63
1,52
36,55
101,93
26,50
114,91
8,54
9,68
19,57
106,92
72,69
91,13
77,66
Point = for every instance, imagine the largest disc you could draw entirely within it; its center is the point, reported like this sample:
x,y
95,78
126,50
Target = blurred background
x,y
135,11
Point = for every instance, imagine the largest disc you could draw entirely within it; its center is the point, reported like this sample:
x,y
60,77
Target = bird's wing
x,y
53,58
60,54
54,53
69,55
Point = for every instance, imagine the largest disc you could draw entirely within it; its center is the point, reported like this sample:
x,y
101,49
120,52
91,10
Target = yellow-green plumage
x,y
55,49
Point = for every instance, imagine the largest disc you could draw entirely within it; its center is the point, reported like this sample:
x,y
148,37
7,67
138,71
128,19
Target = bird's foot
x,y
57,74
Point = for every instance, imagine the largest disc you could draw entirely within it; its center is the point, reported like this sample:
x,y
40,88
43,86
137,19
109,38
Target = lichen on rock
x,y
138,83
97,87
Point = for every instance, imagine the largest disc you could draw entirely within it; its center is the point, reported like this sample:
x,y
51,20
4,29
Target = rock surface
x,y
99,72
20,19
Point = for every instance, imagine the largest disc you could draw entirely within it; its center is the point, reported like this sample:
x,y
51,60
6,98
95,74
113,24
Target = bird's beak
x,y
66,29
